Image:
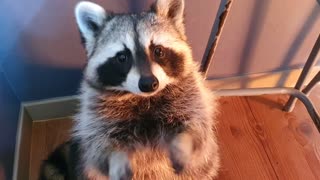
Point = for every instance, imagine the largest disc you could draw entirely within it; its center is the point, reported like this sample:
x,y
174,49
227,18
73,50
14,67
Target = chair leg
x,y
312,84
303,76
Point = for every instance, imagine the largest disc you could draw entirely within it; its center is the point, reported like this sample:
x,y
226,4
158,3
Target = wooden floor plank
x,y
243,156
307,134
46,136
290,139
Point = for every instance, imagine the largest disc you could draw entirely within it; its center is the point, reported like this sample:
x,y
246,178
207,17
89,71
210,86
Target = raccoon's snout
x,y
148,83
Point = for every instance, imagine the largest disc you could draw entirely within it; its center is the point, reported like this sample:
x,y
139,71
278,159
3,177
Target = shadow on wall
x,y
298,41
9,113
140,5
256,24
39,81
252,37
266,36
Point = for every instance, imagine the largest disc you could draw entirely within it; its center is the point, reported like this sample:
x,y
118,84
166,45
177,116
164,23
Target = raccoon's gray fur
x,y
145,112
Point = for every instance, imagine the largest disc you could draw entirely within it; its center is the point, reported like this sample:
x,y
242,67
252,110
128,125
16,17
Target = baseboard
x,y
286,78
67,106
52,108
23,146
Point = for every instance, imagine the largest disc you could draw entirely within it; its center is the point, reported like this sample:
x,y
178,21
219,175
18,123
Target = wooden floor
x,y
46,136
257,140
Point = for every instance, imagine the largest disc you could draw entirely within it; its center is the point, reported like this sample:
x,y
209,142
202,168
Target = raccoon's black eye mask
x,y
171,61
114,71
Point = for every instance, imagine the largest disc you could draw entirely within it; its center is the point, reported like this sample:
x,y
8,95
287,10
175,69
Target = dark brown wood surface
x,y
46,136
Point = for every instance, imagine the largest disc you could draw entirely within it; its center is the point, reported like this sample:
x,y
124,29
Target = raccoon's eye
x,y
159,52
122,58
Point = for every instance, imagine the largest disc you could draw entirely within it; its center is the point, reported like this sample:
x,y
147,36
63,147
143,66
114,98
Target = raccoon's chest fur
x,y
144,131
143,120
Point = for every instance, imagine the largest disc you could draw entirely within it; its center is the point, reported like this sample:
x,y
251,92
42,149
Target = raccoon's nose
x,y
148,83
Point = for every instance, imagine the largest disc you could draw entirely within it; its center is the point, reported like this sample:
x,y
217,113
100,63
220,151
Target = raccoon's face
x,y
138,53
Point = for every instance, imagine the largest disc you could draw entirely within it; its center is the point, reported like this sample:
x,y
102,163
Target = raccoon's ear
x,y
90,19
172,9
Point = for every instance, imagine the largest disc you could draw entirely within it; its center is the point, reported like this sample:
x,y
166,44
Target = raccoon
x,y
145,112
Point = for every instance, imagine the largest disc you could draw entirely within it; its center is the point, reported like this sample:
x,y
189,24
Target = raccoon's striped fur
x,y
145,112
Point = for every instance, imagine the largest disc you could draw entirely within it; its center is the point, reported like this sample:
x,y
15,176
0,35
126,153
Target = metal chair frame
x,y
295,93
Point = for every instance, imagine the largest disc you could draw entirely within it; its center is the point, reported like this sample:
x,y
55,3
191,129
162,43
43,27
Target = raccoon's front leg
x,y
119,166
113,164
180,151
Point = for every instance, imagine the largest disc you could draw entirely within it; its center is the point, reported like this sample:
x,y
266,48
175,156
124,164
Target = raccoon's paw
x,y
180,151
119,167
